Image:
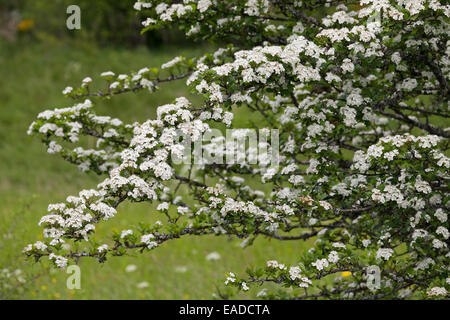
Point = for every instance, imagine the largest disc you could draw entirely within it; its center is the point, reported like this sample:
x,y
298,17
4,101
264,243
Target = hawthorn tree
x,y
358,93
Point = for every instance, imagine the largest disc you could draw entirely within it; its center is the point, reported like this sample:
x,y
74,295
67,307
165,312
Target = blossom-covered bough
x,y
358,92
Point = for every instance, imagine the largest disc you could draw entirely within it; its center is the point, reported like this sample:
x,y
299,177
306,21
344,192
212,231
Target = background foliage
x,y
104,22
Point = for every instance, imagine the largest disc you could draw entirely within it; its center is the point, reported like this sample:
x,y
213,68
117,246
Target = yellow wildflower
x,y
25,25
346,274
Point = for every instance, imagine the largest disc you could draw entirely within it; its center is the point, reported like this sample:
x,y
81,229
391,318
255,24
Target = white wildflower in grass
x,y
262,293
143,284
130,268
213,256
180,269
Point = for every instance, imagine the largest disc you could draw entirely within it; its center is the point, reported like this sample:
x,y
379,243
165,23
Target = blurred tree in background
x,y
105,22
9,18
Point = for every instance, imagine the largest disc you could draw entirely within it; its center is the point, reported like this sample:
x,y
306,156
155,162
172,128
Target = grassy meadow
x,y
32,77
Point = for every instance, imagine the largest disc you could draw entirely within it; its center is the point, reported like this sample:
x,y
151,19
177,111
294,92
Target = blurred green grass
x,y
32,78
